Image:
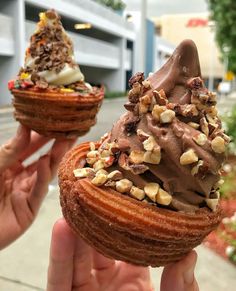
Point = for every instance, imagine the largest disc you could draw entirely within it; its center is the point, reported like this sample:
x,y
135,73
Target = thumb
x,y
180,276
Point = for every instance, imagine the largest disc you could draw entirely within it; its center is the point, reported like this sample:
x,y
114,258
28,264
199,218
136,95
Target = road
x,y
23,265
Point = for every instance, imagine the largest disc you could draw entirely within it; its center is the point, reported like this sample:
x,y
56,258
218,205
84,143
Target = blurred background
x,y
113,39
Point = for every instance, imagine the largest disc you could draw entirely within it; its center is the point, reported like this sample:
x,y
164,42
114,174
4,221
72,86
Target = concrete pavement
x,y
23,265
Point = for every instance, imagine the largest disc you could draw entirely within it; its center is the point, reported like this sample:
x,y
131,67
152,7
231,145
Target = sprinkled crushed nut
x,y
149,143
189,110
124,185
153,157
143,108
146,84
83,172
195,169
156,111
146,100
99,180
194,125
212,203
92,154
160,97
108,161
98,165
218,145
110,183
142,135
151,190
137,193
101,172
136,88
92,146
200,139
203,97
115,175
188,157
212,97
167,116
204,126
136,157
163,197
105,153
123,161
91,161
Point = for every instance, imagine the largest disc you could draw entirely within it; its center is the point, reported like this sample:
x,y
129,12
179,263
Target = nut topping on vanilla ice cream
x,y
169,147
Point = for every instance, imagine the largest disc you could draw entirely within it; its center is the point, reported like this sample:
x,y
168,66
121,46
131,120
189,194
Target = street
x,y
23,265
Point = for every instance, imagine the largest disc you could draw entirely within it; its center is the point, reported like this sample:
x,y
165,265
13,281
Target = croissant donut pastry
x,y
147,192
50,94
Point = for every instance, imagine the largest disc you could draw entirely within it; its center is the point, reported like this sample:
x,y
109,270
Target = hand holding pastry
x,y
76,266
23,188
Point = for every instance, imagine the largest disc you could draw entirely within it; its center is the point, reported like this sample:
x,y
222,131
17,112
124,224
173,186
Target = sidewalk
x,y
23,265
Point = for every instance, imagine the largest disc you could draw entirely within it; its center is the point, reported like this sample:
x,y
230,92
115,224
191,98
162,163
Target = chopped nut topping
x,y
92,154
138,169
101,172
188,157
212,97
91,161
137,193
142,135
123,161
83,172
124,185
110,183
203,98
105,153
143,108
195,83
195,169
218,145
200,139
156,111
146,100
138,77
136,88
151,190
163,197
99,180
149,143
146,84
108,161
160,97
92,146
136,157
212,203
194,125
189,110
204,126
98,165
153,157
115,175
167,116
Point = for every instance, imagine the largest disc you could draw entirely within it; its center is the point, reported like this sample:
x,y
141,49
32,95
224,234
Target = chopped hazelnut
x,y
92,146
167,116
146,100
143,108
142,135
151,190
92,154
99,180
160,97
136,157
124,185
218,145
83,172
212,203
98,165
200,139
105,153
194,125
108,161
163,197
137,193
157,110
91,161
188,157
204,126
115,175
195,169
136,88
101,172
149,143
146,84
153,157
189,110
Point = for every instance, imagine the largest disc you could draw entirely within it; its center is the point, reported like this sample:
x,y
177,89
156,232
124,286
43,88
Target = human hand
x,y
24,188
76,266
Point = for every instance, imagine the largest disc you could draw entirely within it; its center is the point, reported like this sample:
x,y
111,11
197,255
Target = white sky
x,y
160,7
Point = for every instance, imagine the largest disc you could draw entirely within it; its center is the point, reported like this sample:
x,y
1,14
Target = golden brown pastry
x,y
148,192
50,94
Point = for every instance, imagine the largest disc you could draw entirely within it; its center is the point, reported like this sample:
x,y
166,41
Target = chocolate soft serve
x,y
169,147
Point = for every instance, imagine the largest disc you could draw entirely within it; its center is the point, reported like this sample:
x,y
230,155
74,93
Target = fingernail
x,y
189,275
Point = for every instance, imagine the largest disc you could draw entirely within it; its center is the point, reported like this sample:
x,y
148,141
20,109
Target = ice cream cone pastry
x,y
147,192
50,94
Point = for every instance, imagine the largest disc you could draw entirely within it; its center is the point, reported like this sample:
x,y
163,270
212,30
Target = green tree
x,y
223,12
114,4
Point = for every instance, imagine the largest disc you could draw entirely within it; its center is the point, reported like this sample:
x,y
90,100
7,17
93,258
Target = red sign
x,y
197,22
